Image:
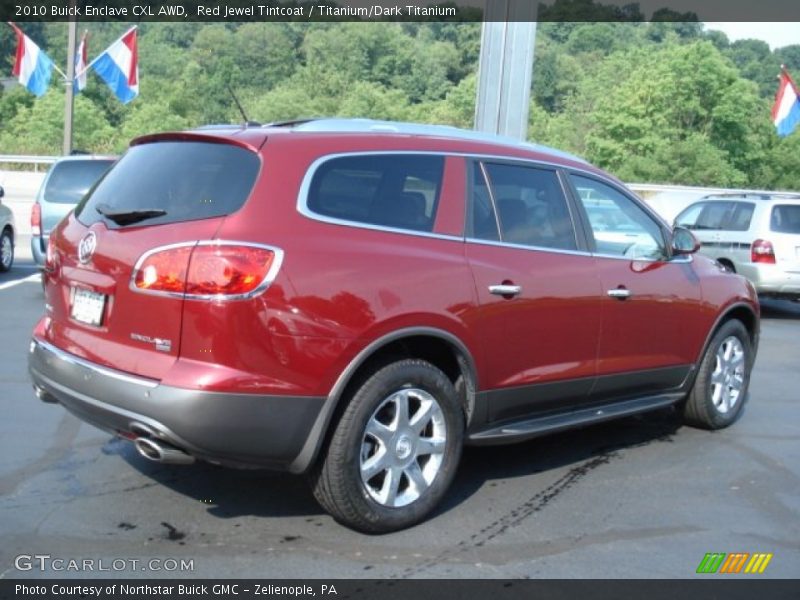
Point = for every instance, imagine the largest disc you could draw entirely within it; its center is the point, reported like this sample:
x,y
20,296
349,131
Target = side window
x,y
742,215
620,226
785,218
715,215
391,190
483,217
531,207
688,217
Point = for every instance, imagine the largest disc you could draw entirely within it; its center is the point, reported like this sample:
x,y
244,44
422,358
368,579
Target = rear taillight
x,y
762,252
36,219
163,271
208,269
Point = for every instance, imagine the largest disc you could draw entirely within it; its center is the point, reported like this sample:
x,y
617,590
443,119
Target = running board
x,y
529,428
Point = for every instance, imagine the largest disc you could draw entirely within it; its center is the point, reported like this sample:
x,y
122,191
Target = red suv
x,y
356,300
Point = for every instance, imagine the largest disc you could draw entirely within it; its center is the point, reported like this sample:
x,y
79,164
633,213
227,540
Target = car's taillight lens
x,y
762,252
229,270
36,219
206,269
164,271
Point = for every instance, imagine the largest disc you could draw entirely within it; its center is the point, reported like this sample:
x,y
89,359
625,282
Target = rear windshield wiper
x,y
129,217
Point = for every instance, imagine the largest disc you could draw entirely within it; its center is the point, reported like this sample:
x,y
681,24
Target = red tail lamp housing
x,y
762,252
36,219
212,270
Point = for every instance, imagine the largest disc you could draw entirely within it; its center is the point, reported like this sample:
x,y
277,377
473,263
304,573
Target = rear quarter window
x,y
187,180
400,191
785,218
742,216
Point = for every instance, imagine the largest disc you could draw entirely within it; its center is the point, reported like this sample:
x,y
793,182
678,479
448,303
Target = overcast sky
x,y
776,35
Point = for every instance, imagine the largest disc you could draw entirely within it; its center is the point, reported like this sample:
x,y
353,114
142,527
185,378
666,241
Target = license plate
x,y
87,306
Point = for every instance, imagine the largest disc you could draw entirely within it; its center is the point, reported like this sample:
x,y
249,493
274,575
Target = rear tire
x,y
727,265
395,450
720,389
6,251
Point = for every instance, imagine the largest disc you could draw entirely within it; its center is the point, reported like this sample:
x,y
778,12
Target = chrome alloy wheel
x,y
6,251
727,379
402,447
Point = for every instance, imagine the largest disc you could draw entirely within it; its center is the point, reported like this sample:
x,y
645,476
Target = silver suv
x,y
64,185
6,236
755,235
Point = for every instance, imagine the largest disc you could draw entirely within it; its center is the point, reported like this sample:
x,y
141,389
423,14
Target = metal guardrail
x,y
28,159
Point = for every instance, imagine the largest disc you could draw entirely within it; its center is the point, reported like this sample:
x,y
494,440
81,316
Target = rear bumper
x,y
232,429
771,279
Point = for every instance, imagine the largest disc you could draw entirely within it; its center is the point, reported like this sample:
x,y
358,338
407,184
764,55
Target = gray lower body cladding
x,y
247,430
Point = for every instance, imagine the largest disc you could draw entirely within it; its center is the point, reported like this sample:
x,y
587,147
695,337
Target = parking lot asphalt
x,y
644,497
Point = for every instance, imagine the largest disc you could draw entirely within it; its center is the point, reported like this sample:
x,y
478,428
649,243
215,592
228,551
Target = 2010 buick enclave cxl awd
x,y
357,300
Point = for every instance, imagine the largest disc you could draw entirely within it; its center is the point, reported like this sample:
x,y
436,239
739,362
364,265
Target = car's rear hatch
x,y
164,191
785,236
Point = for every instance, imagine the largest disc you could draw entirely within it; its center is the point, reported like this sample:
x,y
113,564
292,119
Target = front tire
x,y
720,389
395,450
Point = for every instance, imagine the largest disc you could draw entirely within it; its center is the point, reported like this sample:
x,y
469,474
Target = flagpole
x,y
69,100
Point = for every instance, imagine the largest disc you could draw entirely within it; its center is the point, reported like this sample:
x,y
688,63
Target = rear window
x,y
186,180
785,218
70,180
398,190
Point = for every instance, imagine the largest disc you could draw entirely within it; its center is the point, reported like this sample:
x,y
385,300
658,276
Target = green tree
x,y
39,129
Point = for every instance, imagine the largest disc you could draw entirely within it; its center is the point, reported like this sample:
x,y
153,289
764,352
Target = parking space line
x,y
9,284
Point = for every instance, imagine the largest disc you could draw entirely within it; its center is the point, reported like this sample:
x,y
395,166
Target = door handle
x,y
505,289
619,293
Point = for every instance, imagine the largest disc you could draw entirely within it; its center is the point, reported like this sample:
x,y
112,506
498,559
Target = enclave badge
x,y
86,247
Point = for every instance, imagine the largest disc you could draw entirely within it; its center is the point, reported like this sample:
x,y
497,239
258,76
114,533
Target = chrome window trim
x,y
303,209
269,278
72,359
675,260
305,185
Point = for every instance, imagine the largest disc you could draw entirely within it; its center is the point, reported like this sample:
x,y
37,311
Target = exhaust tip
x,y
44,395
148,449
162,453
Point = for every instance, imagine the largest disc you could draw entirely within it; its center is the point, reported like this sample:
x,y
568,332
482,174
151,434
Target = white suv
x,y
756,235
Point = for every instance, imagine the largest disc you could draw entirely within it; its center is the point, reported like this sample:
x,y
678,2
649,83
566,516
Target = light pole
x,y
69,99
505,70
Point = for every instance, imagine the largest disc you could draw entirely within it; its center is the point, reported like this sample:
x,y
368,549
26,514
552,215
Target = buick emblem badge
x,y
86,247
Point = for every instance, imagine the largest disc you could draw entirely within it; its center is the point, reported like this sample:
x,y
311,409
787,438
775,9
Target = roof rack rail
x,y
337,125
755,195
246,125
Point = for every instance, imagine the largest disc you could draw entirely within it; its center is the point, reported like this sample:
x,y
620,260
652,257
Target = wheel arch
x,y
740,311
727,262
439,347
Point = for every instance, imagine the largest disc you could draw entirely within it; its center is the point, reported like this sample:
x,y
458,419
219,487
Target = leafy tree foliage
x,y
664,101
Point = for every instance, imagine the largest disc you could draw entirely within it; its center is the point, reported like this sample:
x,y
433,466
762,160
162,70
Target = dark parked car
x,y
67,180
357,300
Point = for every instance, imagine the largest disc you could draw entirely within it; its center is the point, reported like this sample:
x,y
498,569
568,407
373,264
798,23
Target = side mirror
x,y
2,191
684,242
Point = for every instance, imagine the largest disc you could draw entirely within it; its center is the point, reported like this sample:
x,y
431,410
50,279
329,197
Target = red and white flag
x,y
81,60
